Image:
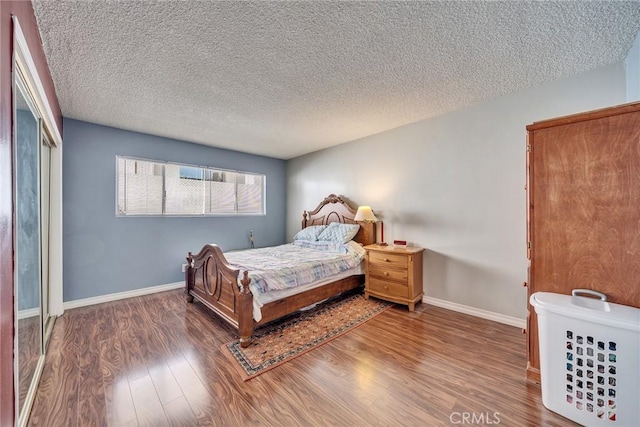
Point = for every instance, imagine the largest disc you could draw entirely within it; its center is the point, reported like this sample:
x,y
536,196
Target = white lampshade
x,y
365,214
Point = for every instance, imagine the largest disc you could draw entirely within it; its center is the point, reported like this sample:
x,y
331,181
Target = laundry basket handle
x,y
577,292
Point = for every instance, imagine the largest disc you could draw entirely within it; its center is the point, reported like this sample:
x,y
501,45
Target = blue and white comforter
x,y
295,264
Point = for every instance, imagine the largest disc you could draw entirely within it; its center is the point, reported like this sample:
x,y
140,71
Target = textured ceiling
x,y
287,78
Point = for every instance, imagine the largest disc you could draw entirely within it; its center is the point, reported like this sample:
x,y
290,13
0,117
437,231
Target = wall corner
x,y
632,70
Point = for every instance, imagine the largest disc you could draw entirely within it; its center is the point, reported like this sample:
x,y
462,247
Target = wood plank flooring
x,y
156,360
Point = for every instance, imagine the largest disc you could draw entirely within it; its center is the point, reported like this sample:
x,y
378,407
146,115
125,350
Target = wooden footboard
x,y
211,280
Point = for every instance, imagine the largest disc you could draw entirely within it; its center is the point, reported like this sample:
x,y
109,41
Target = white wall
x,y
632,66
454,184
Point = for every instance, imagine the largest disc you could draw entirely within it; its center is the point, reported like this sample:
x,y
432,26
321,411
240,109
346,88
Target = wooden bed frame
x,y
211,279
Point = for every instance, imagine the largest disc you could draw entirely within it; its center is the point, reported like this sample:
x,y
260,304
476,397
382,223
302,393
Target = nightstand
x,y
394,274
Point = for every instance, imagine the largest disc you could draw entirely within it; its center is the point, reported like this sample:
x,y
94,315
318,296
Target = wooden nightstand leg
x,y
412,306
366,294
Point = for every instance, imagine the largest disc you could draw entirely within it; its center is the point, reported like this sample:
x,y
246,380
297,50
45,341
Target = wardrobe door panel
x,y
586,229
584,208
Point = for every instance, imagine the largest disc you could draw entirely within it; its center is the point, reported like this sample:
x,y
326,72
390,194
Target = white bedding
x,y
281,271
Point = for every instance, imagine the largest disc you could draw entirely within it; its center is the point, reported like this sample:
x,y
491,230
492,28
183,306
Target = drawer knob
x,y
386,274
386,260
386,288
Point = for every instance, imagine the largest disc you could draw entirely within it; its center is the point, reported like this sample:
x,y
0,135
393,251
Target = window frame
x,y
204,169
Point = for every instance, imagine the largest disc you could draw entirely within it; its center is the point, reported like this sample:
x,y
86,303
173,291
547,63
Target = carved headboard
x,y
335,209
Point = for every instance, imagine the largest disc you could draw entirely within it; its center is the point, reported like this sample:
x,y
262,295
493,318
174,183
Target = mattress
x,y
262,298
281,271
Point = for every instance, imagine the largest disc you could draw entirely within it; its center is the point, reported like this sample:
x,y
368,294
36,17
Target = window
x,y
157,188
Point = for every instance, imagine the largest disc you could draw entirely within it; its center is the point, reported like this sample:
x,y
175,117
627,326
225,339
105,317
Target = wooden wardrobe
x,y
583,222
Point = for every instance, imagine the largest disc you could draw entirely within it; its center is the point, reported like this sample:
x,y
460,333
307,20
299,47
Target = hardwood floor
x,y
156,360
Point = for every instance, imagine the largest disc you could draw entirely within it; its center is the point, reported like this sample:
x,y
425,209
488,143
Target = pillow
x,y
310,233
339,233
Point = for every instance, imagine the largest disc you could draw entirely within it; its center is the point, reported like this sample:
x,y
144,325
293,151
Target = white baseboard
x,y
31,312
478,312
121,295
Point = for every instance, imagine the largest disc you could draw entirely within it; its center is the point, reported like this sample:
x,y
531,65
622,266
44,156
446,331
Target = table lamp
x,y
365,214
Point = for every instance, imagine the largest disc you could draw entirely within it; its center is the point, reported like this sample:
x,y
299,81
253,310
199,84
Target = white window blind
x,y
156,188
220,191
140,187
250,190
184,190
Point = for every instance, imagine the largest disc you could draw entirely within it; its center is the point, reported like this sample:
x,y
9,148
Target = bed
x,y
226,289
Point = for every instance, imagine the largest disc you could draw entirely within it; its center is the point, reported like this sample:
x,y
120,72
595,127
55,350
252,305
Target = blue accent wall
x,y
105,254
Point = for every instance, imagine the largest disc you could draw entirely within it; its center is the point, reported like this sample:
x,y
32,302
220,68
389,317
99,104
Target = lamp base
x,y
383,244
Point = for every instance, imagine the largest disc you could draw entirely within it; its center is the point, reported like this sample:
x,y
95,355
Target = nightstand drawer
x,y
388,288
388,274
387,259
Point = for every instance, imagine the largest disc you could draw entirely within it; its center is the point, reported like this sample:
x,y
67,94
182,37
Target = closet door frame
x,y
24,67
23,61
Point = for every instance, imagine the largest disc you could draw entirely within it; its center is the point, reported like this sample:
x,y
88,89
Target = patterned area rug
x,y
283,340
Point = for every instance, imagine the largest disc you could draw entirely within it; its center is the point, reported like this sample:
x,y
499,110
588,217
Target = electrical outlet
x,y
184,267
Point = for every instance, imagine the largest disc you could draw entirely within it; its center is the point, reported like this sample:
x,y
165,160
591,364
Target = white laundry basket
x,y
589,358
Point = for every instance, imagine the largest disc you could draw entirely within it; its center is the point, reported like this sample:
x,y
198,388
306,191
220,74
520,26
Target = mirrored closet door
x,y
37,229
32,168
28,243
